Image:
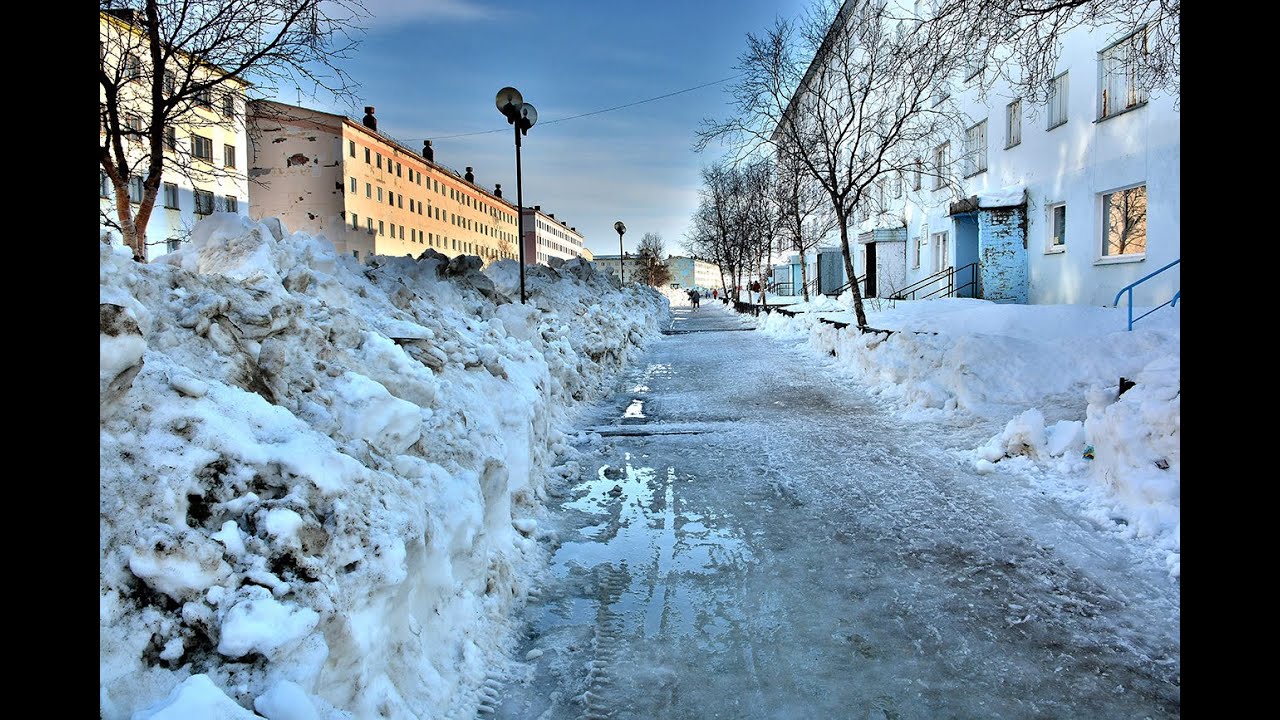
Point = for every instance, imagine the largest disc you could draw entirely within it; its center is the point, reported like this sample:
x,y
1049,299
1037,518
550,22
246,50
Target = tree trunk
x,y
804,274
848,268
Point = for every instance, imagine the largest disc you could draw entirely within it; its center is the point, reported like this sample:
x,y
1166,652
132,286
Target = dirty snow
x,y
317,476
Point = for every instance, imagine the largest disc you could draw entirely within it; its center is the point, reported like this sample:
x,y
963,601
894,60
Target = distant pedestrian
x,y
715,293
693,298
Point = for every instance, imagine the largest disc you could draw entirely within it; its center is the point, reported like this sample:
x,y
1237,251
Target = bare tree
x,y
805,215
713,232
653,268
166,63
1021,40
851,95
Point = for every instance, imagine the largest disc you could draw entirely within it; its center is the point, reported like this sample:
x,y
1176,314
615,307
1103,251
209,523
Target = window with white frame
x,y
171,196
1124,222
355,221
975,149
1058,101
204,202
940,154
202,147
204,97
1013,124
915,252
355,187
229,106
229,156
233,204
1118,68
940,258
170,138
135,189
351,147
1057,227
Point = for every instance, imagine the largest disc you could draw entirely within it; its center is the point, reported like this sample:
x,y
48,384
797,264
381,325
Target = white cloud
x,y
385,12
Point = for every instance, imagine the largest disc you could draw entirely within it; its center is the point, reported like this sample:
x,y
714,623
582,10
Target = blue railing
x,y
1129,289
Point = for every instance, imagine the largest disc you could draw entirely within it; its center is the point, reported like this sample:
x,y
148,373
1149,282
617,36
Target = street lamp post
x,y
621,230
522,115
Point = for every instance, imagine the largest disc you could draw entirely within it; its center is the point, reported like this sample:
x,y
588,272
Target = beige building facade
x,y
366,193
204,148
548,238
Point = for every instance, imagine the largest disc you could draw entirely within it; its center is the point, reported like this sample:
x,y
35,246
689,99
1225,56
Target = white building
x,y
1061,203
205,149
546,238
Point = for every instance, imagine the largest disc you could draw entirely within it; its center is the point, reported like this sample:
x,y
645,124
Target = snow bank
x,y
1044,379
318,478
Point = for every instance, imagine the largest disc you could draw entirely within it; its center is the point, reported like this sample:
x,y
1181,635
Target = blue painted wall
x,y
1002,251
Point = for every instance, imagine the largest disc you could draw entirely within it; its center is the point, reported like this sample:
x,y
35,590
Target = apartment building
x,y
204,148
1060,202
546,238
691,272
366,193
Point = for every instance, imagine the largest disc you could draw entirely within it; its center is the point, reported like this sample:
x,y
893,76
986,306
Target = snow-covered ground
x,y
318,478
1030,390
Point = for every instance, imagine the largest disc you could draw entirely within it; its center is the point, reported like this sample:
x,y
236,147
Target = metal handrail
x,y
950,288
1129,289
838,291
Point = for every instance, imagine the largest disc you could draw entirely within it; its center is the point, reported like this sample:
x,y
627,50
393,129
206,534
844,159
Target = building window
x,y
135,189
202,147
381,228
379,194
229,106
104,186
367,156
393,230
379,163
132,67
940,259
355,187
369,223
355,221
413,235
400,201
170,138
398,170
915,185
1118,68
1013,124
171,196
915,252
940,164
204,202
170,82
1058,101
368,190
975,149
204,98
1057,227
1124,222
351,147
401,232
233,204
172,245
133,123
229,155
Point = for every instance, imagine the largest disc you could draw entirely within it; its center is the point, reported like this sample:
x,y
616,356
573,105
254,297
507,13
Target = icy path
x,y
753,538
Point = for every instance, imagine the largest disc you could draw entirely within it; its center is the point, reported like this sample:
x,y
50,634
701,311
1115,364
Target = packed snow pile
x,y
1039,382
319,479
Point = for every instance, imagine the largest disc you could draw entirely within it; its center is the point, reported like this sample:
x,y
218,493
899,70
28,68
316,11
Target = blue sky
x,y
433,67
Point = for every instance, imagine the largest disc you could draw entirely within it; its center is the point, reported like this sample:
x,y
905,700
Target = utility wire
x,y
597,112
